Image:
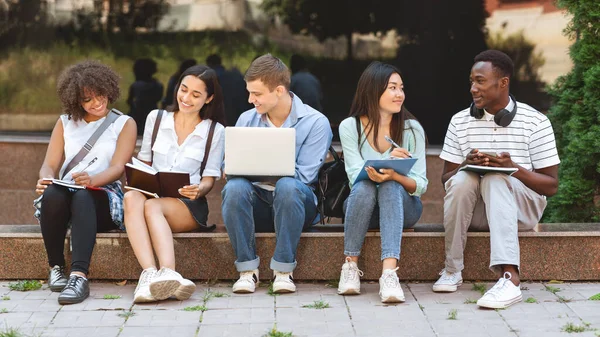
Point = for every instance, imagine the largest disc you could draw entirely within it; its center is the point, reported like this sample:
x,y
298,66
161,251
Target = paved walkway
x,y
218,312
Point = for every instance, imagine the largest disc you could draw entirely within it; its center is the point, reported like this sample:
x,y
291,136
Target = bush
x,y
575,117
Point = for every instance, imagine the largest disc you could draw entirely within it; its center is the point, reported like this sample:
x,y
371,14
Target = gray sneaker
x,y
57,281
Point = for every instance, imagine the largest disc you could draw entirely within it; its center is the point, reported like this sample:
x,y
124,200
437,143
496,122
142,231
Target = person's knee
x,y
54,197
463,183
152,208
286,188
495,180
81,198
133,200
365,191
392,187
236,189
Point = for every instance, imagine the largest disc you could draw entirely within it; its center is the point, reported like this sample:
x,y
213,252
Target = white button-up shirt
x,y
187,157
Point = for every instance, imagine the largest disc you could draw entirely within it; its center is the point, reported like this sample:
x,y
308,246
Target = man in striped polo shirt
x,y
495,132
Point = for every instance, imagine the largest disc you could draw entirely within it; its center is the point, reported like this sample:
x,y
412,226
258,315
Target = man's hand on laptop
x,y
190,191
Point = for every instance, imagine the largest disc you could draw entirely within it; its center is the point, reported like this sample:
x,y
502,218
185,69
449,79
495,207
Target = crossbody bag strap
x,y
211,132
110,118
155,132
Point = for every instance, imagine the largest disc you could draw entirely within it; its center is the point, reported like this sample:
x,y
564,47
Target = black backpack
x,y
332,187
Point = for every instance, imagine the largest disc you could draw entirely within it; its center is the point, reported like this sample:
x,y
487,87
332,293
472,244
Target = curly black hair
x,y
91,76
501,62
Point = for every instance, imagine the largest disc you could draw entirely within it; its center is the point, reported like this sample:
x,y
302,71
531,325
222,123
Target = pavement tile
x,y
178,331
78,332
234,330
239,316
69,319
164,318
317,328
304,315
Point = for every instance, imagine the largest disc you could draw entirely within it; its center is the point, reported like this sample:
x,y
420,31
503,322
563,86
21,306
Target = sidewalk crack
x,y
422,311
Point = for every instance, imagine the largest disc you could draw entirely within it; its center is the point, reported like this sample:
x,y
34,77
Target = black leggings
x,y
89,213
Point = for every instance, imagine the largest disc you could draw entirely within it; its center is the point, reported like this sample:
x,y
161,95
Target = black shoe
x,y
57,280
77,290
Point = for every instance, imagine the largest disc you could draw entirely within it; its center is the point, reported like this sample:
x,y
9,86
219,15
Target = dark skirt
x,y
199,210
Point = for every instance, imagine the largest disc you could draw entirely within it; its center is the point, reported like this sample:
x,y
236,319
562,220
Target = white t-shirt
x,y
529,138
187,157
77,133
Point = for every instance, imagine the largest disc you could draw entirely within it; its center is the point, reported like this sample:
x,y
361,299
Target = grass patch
x,y
470,301
202,308
480,287
126,314
111,297
574,328
421,307
317,305
3,311
275,333
552,289
452,314
270,290
219,294
595,297
333,283
531,300
6,298
12,332
26,285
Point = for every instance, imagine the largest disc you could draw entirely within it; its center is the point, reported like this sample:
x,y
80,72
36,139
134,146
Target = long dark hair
x,y
372,84
215,110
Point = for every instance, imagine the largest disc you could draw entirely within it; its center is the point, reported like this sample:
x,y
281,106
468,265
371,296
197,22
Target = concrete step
x,y
553,252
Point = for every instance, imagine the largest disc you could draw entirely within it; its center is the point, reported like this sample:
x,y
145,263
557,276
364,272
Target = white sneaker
x,y
390,290
349,278
142,294
283,283
448,282
502,295
185,290
167,282
247,282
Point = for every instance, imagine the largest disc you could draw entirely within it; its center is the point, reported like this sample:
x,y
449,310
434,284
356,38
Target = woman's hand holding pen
x,y
82,178
400,152
190,191
379,177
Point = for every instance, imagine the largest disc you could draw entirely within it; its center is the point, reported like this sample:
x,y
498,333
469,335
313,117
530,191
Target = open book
x,y
488,169
145,179
71,184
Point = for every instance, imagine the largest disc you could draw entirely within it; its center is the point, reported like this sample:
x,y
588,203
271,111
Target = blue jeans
x,y
248,209
397,210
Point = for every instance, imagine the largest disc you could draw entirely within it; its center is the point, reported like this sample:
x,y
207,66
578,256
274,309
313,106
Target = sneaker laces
x,y
145,278
57,272
390,279
500,285
73,281
446,276
247,276
352,272
285,277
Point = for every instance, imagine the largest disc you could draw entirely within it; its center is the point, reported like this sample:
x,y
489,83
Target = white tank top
x,y
77,133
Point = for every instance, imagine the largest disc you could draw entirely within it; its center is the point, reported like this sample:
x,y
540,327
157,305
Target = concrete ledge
x,y
555,251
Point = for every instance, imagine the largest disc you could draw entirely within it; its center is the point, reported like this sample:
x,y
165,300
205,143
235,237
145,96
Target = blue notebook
x,y
401,166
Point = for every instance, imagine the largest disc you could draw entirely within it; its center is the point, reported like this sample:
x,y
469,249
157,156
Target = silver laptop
x,y
260,152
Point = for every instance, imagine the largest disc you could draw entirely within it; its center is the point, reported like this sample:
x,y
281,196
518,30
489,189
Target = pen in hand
x,y
89,164
391,141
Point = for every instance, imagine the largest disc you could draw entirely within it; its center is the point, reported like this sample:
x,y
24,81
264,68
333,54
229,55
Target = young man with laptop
x,y
495,132
253,201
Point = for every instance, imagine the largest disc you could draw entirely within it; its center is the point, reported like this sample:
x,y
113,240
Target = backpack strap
x,y
112,116
155,131
211,132
358,122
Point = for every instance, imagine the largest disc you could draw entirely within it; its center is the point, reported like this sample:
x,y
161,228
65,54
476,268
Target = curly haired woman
x,y
85,90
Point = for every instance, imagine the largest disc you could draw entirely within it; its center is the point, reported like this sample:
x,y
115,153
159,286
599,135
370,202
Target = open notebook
x,y
488,169
144,178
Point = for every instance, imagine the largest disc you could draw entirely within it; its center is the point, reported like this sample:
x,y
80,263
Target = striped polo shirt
x,y
529,138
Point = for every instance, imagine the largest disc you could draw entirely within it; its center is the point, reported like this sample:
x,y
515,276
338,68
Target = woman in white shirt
x,y
85,90
387,200
179,146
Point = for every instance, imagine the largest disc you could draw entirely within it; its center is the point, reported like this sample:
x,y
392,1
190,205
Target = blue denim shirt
x,y
313,136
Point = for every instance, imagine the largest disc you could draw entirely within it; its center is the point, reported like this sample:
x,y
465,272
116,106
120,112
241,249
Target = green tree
x,y
334,18
575,117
